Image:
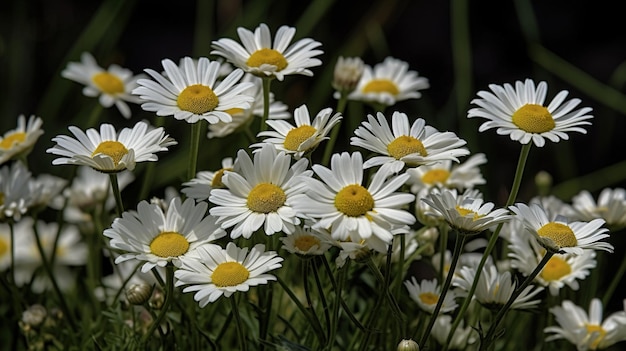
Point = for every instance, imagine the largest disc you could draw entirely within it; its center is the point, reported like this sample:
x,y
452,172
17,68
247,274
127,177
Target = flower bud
x,y
408,345
347,74
34,315
138,294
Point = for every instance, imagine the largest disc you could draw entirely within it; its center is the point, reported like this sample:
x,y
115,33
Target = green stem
x,y
458,247
169,291
334,134
148,175
266,102
517,181
117,194
617,279
196,129
320,290
492,328
94,116
240,331
401,260
12,238
312,319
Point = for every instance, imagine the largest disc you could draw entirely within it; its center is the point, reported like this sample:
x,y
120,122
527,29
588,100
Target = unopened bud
x,y
408,345
347,74
138,294
34,315
157,300
543,181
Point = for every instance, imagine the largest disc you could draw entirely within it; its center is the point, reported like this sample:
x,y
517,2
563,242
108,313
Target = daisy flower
x,y
259,57
16,193
465,214
347,73
388,82
559,235
462,338
406,144
212,271
113,85
20,141
520,112
443,174
350,211
200,187
191,91
305,136
159,237
307,242
108,151
427,293
587,331
260,193
611,206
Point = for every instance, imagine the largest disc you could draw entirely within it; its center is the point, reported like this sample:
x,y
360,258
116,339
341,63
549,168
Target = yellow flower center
x,y
533,118
429,298
464,212
197,99
4,247
1,198
305,242
217,183
435,176
111,148
12,139
234,111
297,136
229,274
555,269
405,145
108,83
268,57
354,200
381,86
266,198
559,233
169,244
594,328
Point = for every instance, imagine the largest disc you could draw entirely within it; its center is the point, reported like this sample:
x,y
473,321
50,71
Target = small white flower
x,y
444,174
16,193
347,73
427,293
20,141
200,187
307,241
611,206
462,338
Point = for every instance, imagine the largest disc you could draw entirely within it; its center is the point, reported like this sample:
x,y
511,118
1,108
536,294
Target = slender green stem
x,y
458,247
488,340
401,260
12,248
314,321
169,291
117,194
517,181
320,290
94,116
617,279
196,129
338,286
267,82
334,134
243,345
443,244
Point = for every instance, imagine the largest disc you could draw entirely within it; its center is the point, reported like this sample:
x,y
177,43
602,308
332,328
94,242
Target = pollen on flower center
x,y
217,183
197,99
4,247
266,198
464,212
111,148
305,242
354,200
169,244
429,298
559,233
405,145
108,83
600,334
234,111
297,136
533,118
555,269
229,274
381,86
1,198
12,139
268,57
436,176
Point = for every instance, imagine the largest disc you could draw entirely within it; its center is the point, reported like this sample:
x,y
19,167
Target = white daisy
x,y
114,85
20,141
259,57
159,237
305,136
388,82
108,151
427,293
191,91
463,336
444,174
307,241
16,193
200,187
260,193
350,211
611,206
587,331
559,235
212,271
520,112
465,214
347,73
404,143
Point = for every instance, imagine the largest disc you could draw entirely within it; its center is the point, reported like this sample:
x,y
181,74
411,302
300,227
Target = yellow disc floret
x,y
108,83
197,99
266,198
354,201
555,269
429,298
111,148
559,233
229,274
381,86
169,244
405,145
4,247
217,183
436,176
600,334
297,136
12,139
268,57
305,242
533,118
464,212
